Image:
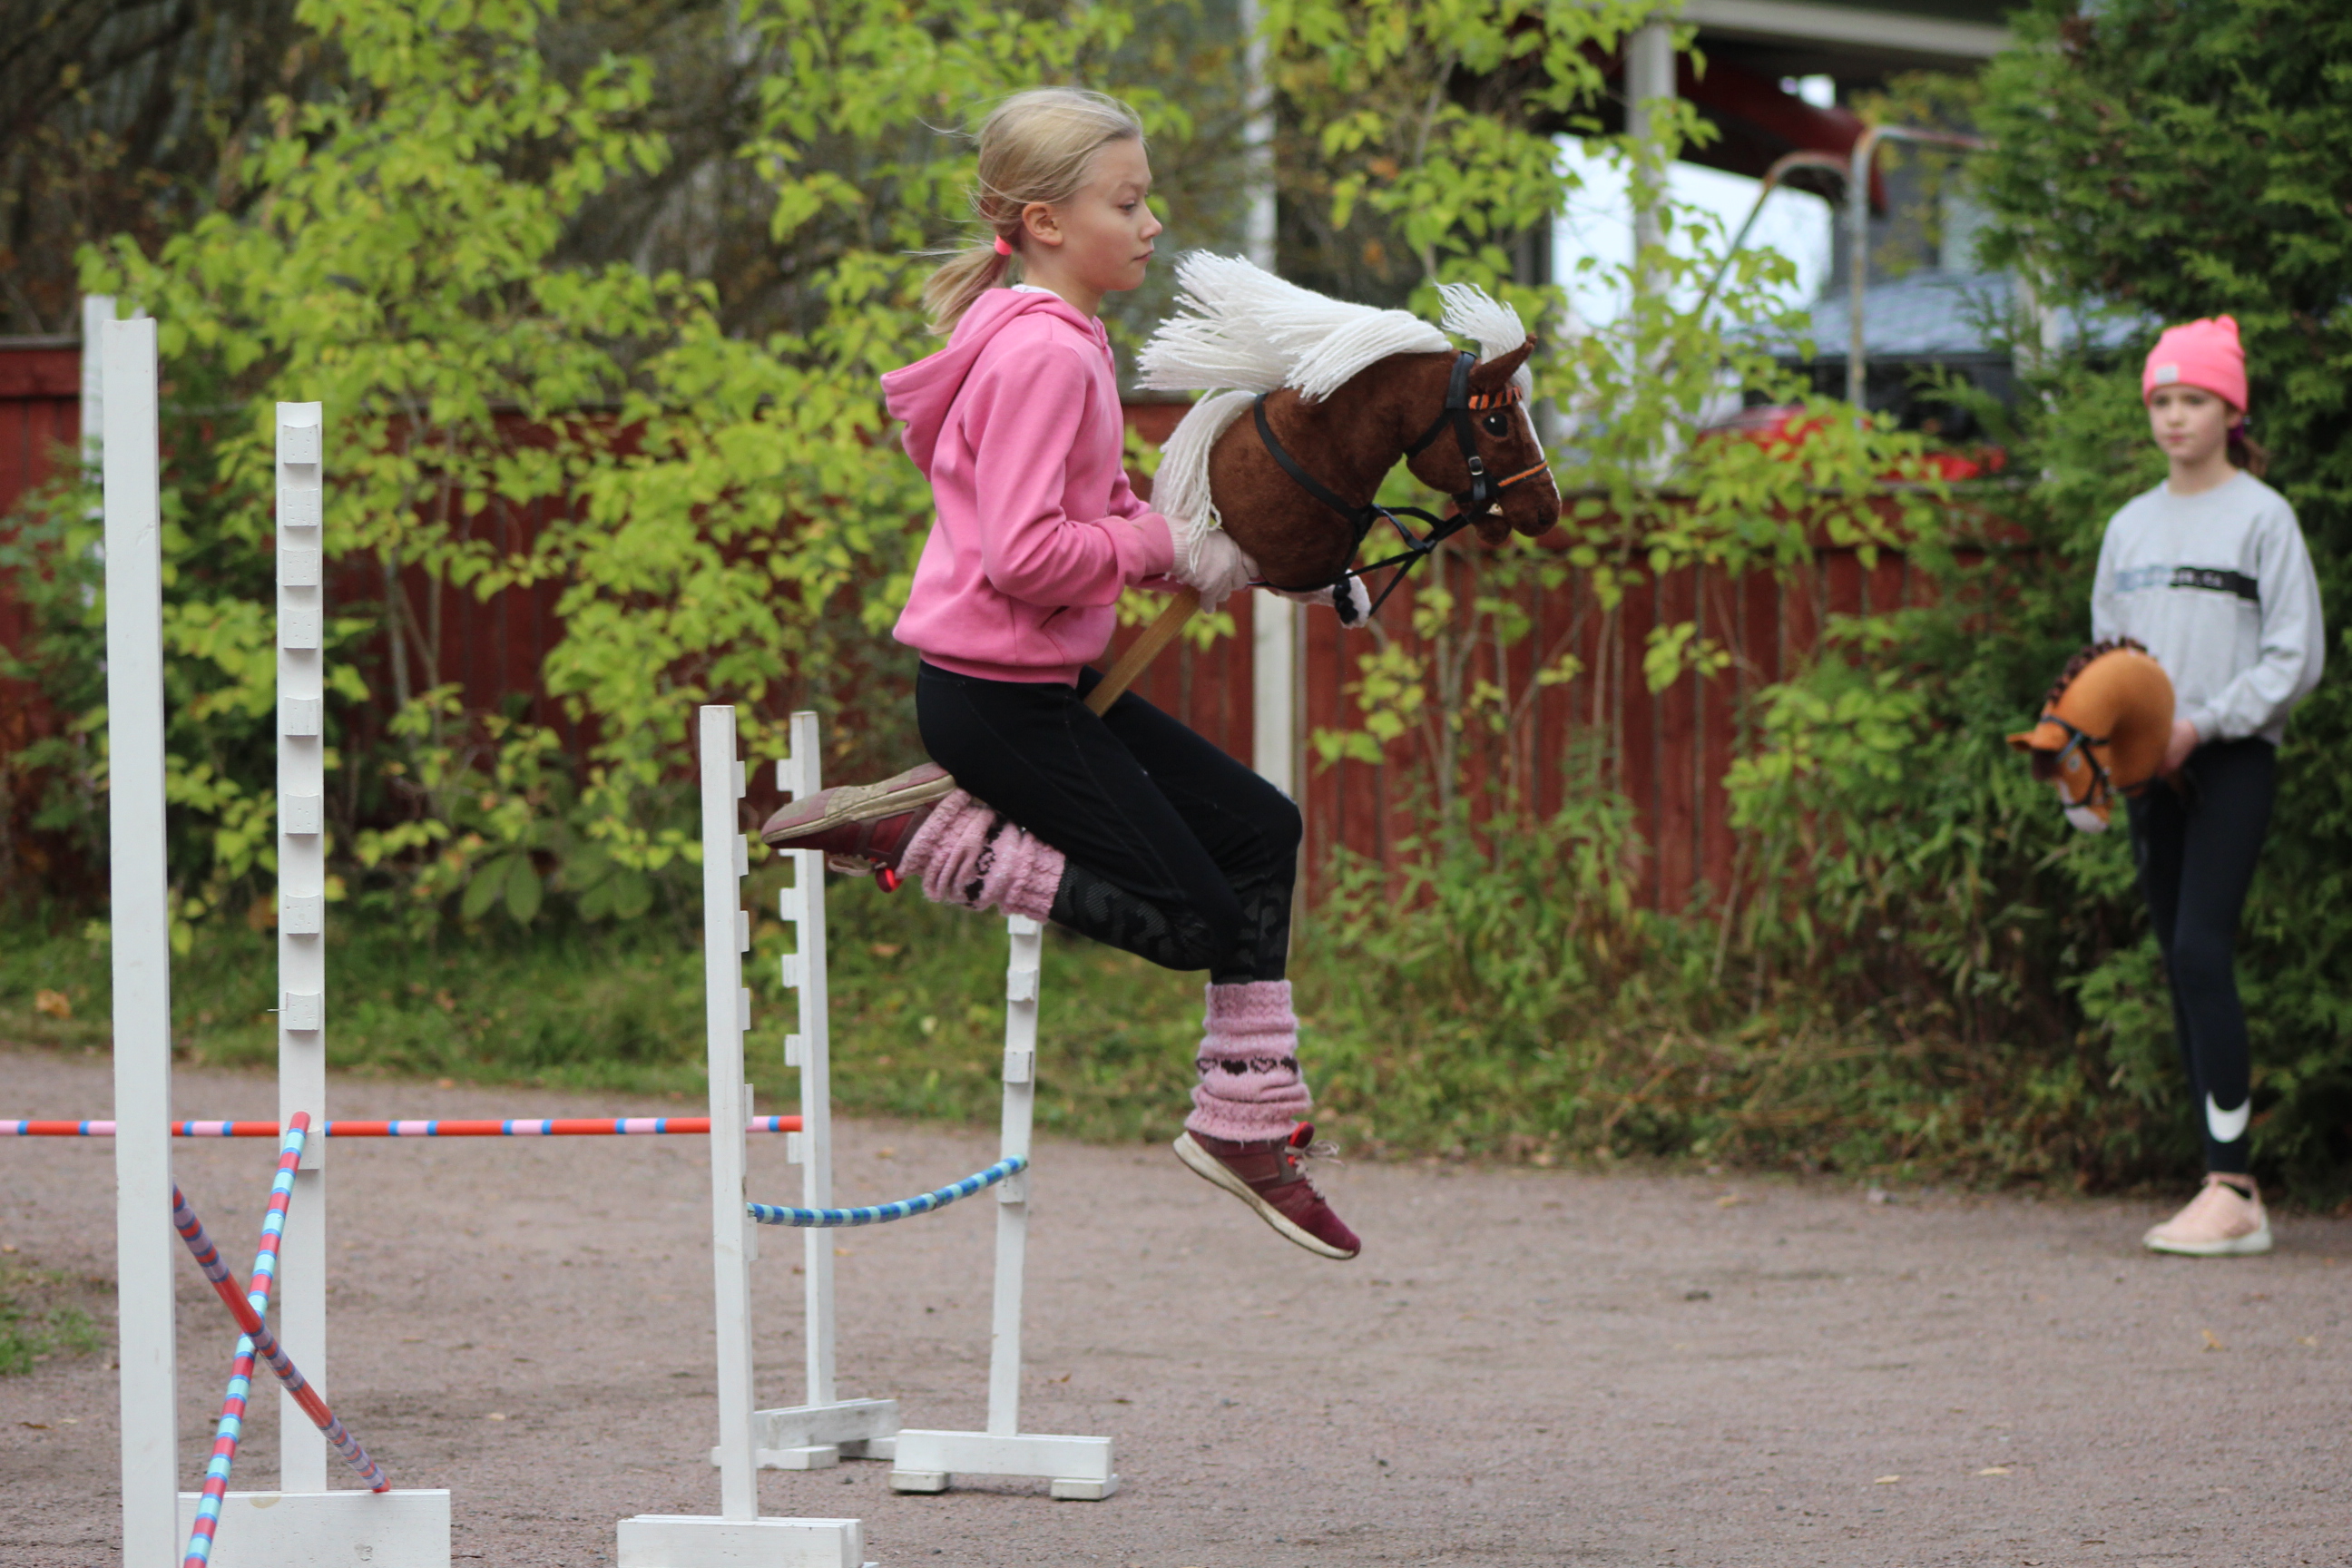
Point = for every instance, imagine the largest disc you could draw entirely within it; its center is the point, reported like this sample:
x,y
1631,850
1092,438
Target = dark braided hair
x,y
2076,665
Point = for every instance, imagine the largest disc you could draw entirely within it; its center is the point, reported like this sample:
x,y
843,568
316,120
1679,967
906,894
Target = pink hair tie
x,y
1004,246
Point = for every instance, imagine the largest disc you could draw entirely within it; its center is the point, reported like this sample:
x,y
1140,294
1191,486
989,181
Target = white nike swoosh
x,y
2228,1126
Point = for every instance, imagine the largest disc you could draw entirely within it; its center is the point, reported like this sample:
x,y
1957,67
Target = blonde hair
x,y
1036,146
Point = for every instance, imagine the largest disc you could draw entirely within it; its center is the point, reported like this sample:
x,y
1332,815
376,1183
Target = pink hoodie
x,y
1017,423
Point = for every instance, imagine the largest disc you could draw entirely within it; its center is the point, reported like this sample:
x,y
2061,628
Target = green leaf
x,y
487,886
524,890
633,894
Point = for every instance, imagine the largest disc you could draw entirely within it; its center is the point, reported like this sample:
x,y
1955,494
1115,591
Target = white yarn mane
x,y
1240,330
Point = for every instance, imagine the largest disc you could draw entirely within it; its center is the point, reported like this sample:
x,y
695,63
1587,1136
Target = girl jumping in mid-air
x,y
2210,572
1127,828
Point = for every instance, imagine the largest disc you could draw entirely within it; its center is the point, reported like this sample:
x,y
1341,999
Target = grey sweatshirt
x,y
2219,588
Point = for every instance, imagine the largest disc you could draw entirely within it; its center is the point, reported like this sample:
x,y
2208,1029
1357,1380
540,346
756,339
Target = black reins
x,y
1469,504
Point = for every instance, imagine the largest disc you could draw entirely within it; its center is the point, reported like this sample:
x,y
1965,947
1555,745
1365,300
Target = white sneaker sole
x,y
1209,1166
2247,1245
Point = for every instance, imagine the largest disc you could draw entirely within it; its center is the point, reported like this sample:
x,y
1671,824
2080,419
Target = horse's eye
x,y
1499,423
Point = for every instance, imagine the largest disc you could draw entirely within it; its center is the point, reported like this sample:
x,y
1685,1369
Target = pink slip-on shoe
x,y
1270,1175
863,827
2225,1220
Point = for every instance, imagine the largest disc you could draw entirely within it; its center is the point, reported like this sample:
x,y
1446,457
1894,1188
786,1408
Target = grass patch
x,y
43,1314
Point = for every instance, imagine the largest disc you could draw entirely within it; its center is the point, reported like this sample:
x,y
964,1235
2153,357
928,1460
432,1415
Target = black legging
x,y
1176,852
2196,848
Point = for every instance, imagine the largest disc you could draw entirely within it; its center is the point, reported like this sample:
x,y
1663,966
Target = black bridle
x,y
2101,786
1469,504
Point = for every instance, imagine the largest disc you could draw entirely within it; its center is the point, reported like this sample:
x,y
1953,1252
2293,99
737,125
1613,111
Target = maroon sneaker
x,y
863,827
1270,1175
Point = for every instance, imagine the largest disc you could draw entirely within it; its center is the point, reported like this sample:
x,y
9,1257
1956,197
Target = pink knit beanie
x,y
2203,354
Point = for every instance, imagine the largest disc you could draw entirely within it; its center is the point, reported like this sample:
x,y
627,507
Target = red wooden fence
x,y
1666,750
1669,751
40,413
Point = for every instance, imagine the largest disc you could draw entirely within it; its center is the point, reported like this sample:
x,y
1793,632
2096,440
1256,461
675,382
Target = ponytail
x,y
2247,453
964,277
1036,147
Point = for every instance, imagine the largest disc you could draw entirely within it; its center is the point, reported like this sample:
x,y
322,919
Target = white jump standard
x,y
739,1537
827,1428
301,1523
141,932
1078,1468
824,1429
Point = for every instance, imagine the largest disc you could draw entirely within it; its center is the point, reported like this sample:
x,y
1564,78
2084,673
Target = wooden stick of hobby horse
x,y
1144,649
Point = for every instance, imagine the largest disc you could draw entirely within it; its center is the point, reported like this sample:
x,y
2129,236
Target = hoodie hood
x,y
924,392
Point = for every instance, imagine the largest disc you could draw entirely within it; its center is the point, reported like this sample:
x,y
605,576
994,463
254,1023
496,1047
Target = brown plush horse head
x,y
2103,730
1332,396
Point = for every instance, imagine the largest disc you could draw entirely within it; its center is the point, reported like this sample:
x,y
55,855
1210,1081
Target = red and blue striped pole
x,y
265,1343
509,1126
240,1373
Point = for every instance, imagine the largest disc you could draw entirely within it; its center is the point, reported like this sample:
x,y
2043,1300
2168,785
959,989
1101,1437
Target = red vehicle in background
x,y
1785,429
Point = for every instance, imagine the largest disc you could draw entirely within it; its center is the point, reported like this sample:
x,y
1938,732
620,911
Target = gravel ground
x,y
1525,1367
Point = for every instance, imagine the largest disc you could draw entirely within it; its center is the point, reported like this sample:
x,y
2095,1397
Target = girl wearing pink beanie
x,y
2210,572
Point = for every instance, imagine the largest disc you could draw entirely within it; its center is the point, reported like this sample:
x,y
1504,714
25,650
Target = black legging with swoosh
x,y
2196,846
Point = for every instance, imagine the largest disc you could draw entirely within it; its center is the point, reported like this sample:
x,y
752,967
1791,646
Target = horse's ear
x,y
1495,373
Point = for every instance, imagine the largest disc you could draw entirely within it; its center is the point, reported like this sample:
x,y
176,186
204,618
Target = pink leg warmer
x,y
967,855
1250,1089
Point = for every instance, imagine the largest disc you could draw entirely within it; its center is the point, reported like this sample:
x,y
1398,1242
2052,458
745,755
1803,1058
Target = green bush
x,y
722,516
